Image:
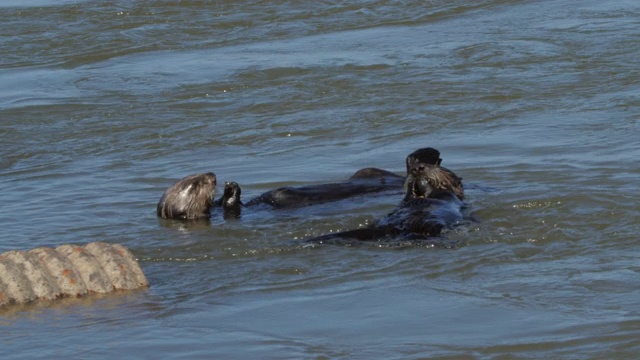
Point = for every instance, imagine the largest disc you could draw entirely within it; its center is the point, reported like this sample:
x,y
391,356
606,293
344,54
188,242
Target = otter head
x,y
231,196
189,198
428,180
427,155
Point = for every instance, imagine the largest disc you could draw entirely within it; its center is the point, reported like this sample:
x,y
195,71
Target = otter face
x,y
189,198
428,156
424,180
231,196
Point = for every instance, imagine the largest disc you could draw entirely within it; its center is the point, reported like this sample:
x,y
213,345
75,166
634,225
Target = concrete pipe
x,y
67,271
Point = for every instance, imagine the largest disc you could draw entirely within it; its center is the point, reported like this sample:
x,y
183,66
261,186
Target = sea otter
x,y
426,155
189,198
363,181
432,202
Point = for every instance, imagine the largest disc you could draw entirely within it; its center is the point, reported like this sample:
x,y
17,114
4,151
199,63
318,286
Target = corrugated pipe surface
x,y
66,271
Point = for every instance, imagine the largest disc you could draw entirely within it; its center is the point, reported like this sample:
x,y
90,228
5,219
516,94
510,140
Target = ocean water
x,y
536,104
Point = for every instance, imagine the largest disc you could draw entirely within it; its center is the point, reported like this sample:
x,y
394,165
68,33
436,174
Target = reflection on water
x,y
534,104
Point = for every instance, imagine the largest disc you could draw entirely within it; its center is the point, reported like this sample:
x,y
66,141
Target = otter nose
x,y
417,169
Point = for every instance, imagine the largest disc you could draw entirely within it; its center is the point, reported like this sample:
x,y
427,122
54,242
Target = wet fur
x,y
433,202
189,198
288,197
437,178
363,181
192,196
231,201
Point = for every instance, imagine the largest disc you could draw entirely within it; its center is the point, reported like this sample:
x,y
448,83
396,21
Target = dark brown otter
x,y
289,197
424,155
189,198
429,156
363,181
436,178
433,202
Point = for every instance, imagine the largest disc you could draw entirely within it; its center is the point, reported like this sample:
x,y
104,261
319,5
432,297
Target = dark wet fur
x,y
433,202
231,201
374,173
189,198
436,178
363,181
288,197
428,156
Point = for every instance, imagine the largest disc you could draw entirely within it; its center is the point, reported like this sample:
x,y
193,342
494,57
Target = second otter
x,y
433,202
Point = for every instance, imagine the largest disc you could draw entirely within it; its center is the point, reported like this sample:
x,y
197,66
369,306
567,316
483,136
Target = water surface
x,y
534,104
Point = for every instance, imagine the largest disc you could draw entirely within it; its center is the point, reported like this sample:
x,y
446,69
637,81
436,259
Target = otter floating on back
x,y
364,181
192,196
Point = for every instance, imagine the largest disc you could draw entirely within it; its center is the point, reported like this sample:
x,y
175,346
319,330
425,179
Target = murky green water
x,y
535,104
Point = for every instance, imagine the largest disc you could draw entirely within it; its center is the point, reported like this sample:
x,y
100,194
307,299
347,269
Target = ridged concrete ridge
x,y
67,271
